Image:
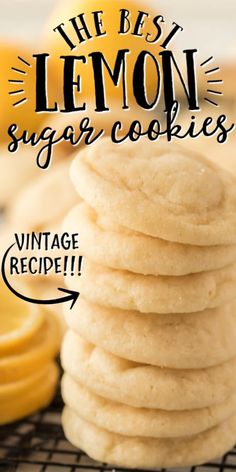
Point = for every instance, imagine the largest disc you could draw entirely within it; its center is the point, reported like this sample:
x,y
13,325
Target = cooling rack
x,y
37,444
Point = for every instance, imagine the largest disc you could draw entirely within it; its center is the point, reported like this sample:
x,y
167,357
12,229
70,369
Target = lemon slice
x,y
19,321
27,397
42,348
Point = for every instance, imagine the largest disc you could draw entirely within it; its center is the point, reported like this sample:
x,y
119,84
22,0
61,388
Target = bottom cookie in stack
x,y
137,452
138,415
143,422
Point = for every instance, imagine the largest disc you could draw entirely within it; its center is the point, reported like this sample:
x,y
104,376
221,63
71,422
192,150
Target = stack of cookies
x,y
150,351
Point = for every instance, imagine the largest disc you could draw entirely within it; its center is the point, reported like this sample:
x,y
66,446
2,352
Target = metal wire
x,y
37,444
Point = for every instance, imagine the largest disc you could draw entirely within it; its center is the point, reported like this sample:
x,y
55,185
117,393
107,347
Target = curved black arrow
x,y
71,294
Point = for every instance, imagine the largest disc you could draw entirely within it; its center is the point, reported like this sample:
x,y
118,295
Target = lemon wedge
x,y
25,397
40,350
19,321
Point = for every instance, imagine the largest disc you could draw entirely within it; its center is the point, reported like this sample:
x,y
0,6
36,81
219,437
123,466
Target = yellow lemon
x,y
25,397
108,44
17,90
19,321
42,348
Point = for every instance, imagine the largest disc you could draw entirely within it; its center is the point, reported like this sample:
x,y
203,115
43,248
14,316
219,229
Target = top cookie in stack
x,y
157,229
161,191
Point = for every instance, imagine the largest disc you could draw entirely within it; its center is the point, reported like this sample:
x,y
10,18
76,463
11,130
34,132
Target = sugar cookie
x,y
143,422
222,155
16,170
160,190
141,385
37,205
150,294
174,341
117,247
147,453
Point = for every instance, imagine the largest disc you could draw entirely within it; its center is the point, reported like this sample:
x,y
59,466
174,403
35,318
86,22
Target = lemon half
x,y
23,398
19,321
42,348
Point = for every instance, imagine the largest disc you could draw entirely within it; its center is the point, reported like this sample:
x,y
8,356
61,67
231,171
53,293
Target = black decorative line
x,y
212,70
25,62
19,102
219,81
211,102
215,92
206,62
16,81
19,70
15,92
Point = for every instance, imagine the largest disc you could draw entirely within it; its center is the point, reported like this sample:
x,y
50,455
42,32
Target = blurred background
x,y
209,25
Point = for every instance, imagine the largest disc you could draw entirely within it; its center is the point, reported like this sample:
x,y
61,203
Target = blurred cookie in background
x,y
44,200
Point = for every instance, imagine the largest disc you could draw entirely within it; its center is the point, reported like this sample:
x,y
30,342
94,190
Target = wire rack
x,y
37,444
